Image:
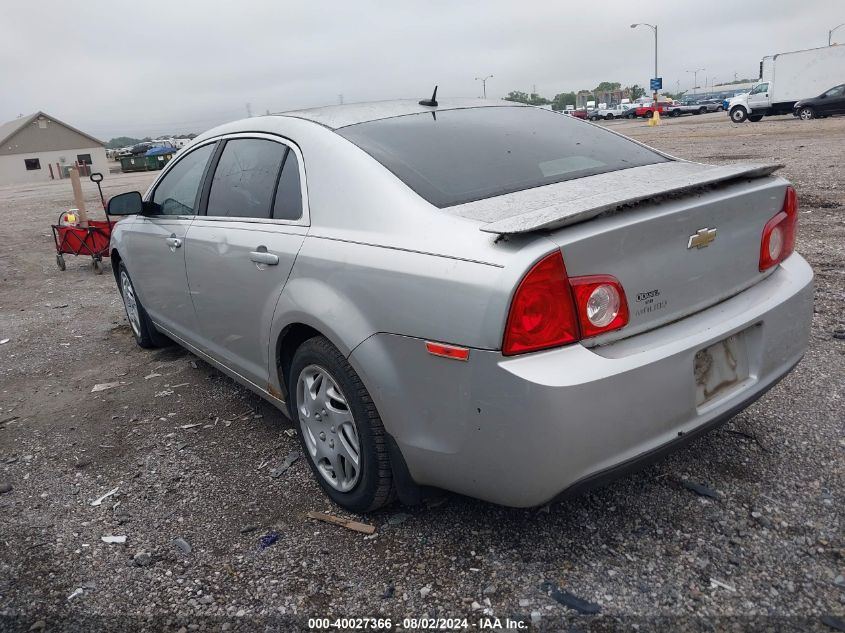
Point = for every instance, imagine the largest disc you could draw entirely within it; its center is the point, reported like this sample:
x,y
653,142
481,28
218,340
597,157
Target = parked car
x,y
828,103
497,300
666,108
578,114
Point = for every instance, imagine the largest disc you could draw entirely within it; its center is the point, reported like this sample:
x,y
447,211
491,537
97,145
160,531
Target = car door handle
x,y
173,242
263,257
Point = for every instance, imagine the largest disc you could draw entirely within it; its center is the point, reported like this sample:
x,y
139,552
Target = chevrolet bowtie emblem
x,y
702,238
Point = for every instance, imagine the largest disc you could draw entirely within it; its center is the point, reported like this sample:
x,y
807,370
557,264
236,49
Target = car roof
x,y
338,116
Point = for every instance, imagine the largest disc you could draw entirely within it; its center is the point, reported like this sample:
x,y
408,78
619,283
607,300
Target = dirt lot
x,y
190,454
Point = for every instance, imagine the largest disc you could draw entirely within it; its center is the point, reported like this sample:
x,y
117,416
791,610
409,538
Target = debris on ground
x,y
837,624
142,559
398,519
5,487
118,540
714,584
389,591
290,460
355,526
269,539
249,528
290,432
569,600
103,386
76,592
182,545
100,500
700,489
185,427
4,341
152,375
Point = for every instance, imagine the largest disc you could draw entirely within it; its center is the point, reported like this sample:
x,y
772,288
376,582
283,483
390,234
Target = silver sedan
x,y
479,296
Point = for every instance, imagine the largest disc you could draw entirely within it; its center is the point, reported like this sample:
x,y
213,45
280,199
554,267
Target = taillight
x,y
602,306
778,239
542,314
549,309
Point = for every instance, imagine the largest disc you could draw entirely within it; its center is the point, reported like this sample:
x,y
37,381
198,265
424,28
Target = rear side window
x,y
245,179
288,202
456,156
176,194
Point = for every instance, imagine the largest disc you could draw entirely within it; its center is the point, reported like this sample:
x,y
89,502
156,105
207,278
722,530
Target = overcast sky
x,y
151,67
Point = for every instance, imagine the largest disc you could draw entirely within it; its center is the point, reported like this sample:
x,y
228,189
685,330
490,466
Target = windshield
x,y
456,156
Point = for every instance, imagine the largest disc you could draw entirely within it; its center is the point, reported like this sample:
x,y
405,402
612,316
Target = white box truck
x,y
789,77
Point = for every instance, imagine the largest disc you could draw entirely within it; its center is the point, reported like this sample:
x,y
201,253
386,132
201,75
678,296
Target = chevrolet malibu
x,y
484,297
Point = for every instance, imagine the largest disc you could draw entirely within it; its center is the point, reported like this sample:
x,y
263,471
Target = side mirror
x,y
129,203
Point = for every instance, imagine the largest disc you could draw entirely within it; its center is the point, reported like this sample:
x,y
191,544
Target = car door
x,y
758,98
833,102
156,243
255,217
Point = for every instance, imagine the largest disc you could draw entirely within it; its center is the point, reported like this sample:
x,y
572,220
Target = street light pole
x,y
695,79
653,27
830,33
483,81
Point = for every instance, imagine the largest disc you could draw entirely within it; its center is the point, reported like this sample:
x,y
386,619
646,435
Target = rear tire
x,y
609,117
648,114
336,418
143,329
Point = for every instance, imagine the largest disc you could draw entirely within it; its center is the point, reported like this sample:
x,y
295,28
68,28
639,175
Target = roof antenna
x,y
432,103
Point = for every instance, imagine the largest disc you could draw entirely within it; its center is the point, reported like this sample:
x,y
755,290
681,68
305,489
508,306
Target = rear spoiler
x,y
561,204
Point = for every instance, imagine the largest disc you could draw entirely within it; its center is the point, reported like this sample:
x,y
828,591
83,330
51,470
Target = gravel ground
x,y
190,454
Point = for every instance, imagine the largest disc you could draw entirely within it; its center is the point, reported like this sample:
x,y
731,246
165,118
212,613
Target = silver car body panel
x,y
518,431
378,270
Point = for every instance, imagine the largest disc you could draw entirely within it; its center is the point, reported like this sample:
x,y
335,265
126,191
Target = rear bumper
x,y
520,431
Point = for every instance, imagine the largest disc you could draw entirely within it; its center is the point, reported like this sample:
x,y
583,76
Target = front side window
x,y
245,179
456,156
836,92
177,193
760,88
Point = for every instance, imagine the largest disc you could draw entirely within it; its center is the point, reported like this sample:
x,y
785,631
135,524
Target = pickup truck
x,y
616,112
701,107
667,108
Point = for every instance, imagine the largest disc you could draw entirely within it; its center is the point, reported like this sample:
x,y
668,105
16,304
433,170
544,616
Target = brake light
x,y
549,309
601,302
778,240
542,313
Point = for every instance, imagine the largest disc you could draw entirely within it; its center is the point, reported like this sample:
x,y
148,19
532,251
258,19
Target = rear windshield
x,y
456,156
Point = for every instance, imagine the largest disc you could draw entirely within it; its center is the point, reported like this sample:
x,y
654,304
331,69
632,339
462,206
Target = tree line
x,y
563,99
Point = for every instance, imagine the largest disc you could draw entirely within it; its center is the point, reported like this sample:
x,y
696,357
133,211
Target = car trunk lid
x,y
689,244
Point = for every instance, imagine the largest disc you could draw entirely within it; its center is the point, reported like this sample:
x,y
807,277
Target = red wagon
x,y
92,240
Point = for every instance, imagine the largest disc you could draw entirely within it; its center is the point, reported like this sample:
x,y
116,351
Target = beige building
x,y
40,147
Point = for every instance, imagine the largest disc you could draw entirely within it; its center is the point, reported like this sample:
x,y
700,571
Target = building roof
x,y
10,128
339,116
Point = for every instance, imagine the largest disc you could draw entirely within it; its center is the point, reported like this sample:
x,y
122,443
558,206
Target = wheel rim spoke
x,y
329,429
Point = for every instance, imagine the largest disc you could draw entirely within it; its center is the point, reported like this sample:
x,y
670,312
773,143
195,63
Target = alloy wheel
x,y
328,428
130,303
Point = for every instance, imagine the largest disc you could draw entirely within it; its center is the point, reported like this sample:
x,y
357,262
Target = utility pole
x,y
483,81
340,99
830,33
653,27
248,111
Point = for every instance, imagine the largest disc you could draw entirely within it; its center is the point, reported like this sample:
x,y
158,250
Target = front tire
x,y
142,327
648,114
738,114
339,428
806,113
